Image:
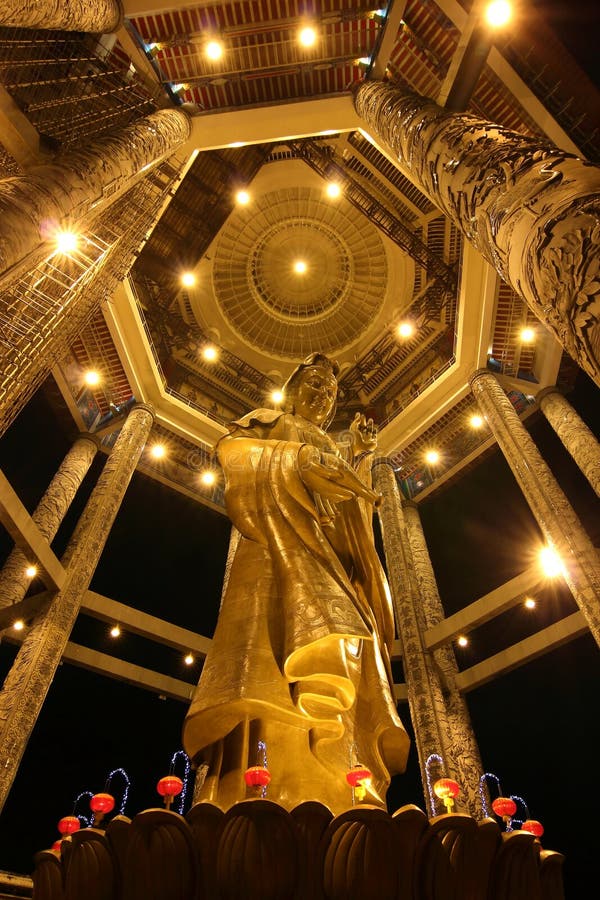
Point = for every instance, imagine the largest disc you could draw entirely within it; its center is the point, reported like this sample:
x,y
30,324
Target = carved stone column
x,y
425,691
32,673
555,516
573,432
81,181
461,737
99,17
530,209
48,515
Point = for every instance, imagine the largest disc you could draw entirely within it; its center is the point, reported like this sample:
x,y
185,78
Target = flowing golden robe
x,y
300,655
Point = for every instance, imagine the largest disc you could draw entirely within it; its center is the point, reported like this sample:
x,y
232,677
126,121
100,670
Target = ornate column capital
x,y
479,373
383,461
144,406
553,389
409,504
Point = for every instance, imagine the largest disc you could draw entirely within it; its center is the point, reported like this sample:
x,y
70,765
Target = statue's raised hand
x,y
364,434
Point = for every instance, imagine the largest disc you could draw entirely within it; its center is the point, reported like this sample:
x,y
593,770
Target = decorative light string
x,y
520,802
181,754
262,747
482,785
85,820
430,759
125,777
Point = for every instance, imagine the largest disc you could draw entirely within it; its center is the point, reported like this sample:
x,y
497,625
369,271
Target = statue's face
x,y
315,394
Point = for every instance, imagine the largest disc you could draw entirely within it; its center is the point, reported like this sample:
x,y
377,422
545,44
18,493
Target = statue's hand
x,y
364,434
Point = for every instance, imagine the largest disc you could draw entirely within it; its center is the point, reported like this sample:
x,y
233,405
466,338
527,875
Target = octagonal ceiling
x,y
278,121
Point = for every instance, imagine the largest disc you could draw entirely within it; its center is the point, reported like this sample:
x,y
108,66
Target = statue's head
x,y
311,389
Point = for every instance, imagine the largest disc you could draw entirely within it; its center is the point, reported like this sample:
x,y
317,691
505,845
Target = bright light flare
x,y
189,659
214,50
432,457
66,241
188,279
529,603
498,13
31,571
243,198
158,451
476,421
462,641
551,563
333,190
277,397
210,353
208,478
18,625
406,329
300,267
307,36
115,631
527,335
92,378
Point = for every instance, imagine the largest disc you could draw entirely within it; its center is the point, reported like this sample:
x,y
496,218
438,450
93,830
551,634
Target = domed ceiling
x,y
294,271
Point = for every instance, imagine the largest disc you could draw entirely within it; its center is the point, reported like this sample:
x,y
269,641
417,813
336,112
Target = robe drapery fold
x,y
302,646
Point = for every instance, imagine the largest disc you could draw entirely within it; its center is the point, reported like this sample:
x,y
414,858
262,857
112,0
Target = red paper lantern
x,y
533,827
169,786
446,789
69,825
357,775
504,807
257,776
102,803
56,845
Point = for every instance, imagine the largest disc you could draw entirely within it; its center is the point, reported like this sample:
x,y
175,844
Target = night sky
x,y
537,727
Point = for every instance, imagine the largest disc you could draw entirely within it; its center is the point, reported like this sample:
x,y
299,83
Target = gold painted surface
x,y
300,656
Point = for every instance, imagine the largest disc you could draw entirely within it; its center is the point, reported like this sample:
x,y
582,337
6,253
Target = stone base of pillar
x,y
258,849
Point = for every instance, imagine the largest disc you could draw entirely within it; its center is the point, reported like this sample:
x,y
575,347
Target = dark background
x,y
537,727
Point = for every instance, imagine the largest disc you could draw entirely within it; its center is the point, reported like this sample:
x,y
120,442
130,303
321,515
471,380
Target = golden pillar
x,y
80,183
433,734
529,208
555,516
573,432
99,17
31,675
48,515
461,737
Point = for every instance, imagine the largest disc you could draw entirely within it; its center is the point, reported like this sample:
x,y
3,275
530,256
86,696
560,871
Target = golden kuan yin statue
x,y
300,660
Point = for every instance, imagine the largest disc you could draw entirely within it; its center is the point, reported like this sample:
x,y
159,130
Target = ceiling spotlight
x,y
210,353
551,562
188,279
432,457
406,329
18,624
115,631
66,241
529,603
498,13
242,197
476,421
307,37
214,50
208,478
277,397
462,641
300,267
527,335
31,571
158,451
92,378
333,190
189,659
